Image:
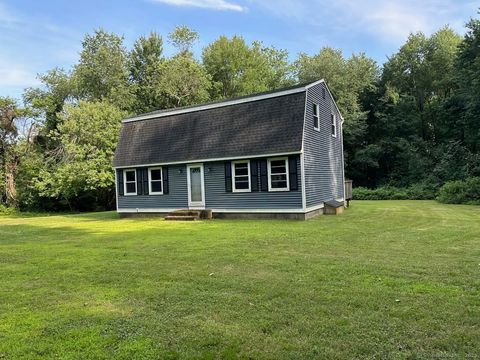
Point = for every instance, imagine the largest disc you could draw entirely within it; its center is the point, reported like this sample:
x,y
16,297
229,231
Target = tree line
x,y
412,122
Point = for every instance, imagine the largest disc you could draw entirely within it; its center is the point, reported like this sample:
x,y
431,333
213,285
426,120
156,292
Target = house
x,y
274,154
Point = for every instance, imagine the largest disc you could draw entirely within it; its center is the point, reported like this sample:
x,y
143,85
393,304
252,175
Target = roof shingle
x,y
268,126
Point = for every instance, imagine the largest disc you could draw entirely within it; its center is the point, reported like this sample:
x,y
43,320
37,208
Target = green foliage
x,y
15,129
468,78
239,69
413,118
184,82
102,72
461,192
413,192
81,163
183,38
145,64
415,121
47,102
4,210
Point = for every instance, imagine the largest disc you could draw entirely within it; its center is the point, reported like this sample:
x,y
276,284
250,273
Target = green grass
x,y
386,280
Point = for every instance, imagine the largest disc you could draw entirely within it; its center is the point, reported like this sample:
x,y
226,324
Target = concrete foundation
x,y
239,215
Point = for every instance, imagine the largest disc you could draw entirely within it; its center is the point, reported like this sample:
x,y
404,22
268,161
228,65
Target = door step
x,y
181,218
189,215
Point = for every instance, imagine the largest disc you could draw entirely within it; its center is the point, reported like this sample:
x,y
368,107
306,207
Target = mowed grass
x,y
385,280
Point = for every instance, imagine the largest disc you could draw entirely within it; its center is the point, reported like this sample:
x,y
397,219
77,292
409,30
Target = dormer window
x,y
316,117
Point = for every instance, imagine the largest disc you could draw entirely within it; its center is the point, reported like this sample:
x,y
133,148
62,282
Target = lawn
x,y
385,280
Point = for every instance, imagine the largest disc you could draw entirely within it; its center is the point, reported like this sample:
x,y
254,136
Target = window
x,y
278,174
316,120
334,125
323,93
130,182
155,181
241,176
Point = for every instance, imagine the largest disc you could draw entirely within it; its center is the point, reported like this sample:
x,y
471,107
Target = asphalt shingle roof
x,y
268,126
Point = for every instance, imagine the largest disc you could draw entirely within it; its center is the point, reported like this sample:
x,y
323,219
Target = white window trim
x,y
125,182
196,204
234,189
150,192
317,106
334,123
269,167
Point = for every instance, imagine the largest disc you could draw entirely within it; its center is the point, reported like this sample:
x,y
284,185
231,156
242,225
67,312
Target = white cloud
x,y
388,20
206,4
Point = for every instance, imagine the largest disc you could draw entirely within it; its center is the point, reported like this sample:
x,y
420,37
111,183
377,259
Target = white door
x,y
196,189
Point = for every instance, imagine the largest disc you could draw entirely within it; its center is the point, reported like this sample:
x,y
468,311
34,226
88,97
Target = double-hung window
x,y
130,182
316,117
334,125
241,176
278,174
155,181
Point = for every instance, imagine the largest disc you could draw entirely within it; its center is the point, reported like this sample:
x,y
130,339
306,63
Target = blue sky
x,y
36,36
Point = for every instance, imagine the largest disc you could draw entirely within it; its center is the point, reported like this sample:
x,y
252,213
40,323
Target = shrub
x,y
414,192
422,191
461,192
6,210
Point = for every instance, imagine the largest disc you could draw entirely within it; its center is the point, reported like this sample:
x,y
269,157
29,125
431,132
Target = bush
x,y
461,192
6,210
422,192
413,192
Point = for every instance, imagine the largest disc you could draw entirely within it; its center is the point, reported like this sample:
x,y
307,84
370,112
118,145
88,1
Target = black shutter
x,y
263,175
228,176
120,182
145,181
254,175
139,182
165,179
292,172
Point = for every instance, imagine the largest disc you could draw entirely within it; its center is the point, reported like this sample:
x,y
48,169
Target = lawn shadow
x,y
11,234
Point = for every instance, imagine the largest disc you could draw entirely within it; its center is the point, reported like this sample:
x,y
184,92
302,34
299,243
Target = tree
x,y
102,72
80,167
407,118
328,64
145,63
14,128
238,69
183,38
47,101
467,68
184,81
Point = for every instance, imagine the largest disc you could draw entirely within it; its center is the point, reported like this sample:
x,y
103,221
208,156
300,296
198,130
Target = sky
x,y
36,36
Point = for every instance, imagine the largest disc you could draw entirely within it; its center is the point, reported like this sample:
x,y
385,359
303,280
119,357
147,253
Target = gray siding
x,y
323,155
215,195
217,198
177,198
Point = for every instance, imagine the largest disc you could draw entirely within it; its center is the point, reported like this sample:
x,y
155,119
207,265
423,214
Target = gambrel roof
x,y
267,123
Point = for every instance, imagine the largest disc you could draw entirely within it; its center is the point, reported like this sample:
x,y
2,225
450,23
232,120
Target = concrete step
x,y
186,213
181,218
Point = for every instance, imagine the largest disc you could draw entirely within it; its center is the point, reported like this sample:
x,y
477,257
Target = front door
x,y
196,191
